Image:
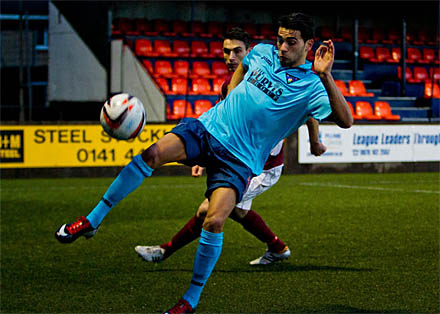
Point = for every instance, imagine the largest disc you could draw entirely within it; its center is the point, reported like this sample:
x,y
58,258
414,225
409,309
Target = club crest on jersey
x,y
291,78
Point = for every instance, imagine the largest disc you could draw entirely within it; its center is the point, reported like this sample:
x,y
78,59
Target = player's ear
x,y
309,44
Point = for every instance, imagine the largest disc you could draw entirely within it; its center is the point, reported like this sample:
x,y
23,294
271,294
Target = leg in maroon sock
x,y
253,223
189,232
186,235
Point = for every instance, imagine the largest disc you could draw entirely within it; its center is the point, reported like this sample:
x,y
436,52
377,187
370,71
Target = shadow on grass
x,y
281,267
337,308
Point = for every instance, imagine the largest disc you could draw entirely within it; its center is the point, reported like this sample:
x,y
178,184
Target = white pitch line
x,y
367,188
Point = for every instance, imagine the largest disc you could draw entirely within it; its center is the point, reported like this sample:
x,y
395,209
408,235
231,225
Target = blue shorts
x,y
222,168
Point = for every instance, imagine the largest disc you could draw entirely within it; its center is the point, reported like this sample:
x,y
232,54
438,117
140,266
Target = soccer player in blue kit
x,y
271,94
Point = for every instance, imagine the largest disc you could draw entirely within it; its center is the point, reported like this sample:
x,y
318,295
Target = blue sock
x,y
208,252
126,182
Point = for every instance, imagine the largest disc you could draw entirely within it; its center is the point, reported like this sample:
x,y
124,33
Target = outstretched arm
x,y
237,77
316,147
323,63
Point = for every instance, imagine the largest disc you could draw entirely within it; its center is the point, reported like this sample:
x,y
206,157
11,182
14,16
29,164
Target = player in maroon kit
x,y
236,46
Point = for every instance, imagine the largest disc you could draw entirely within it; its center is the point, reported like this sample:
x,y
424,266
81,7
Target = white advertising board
x,y
373,143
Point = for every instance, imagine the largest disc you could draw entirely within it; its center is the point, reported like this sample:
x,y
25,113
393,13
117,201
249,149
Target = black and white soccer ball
x,y
123,116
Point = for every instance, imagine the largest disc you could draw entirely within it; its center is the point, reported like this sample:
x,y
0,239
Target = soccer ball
x,y
123,116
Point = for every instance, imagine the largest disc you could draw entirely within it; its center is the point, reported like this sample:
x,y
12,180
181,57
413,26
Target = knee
x,y
214,224
151,156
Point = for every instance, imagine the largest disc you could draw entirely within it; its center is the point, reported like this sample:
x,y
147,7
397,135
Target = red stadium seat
x,y
201,69
420,74
408,73
201,106
382,109
252,30
143,47
414,55
181,68
267,31
160,27
434,73
357,88
179,86
163,68
395,54
200,86
363,34
181,109
383,54
198,28
342,87
217,85
181,48
430,91
219,69
423,37
124,26
355,116
428,55
199,49
148,65
367,53
179,28
142,26
215,28
347,34
163,48
364,110
328,33
163,85
216,49
393,37
377,35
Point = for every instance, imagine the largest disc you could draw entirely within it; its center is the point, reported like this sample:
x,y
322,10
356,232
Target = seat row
x,y
356,88
180,28
384,54
378,35
183,86
178,48
186,69
183,109
213,29
364,110
419,74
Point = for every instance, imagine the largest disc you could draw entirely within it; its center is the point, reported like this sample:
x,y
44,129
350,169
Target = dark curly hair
x,y
238,34
300,22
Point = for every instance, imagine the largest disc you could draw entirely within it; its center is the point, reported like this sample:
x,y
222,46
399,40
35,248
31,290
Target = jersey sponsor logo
x,y
267,60
291,78
272,89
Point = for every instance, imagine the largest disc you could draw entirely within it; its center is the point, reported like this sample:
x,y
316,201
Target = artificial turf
x,y
361,243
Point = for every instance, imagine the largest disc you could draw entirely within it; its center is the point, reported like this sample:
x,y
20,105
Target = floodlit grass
x,y
361,243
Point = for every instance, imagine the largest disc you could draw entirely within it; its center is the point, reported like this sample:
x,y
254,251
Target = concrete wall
x,y
74,72
129,76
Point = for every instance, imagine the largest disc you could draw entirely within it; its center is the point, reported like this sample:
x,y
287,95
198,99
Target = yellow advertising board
x,y
45,146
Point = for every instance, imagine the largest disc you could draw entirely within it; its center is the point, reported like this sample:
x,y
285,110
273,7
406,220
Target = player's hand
x,y
196,171
324,57
317,148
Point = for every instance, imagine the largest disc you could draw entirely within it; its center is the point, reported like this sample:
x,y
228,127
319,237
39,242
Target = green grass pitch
x,y
361,243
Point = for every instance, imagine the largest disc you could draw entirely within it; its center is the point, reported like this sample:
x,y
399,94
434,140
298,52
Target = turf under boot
x,y
181,307
270,257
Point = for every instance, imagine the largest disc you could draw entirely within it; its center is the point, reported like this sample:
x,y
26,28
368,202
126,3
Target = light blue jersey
x,y
269,104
